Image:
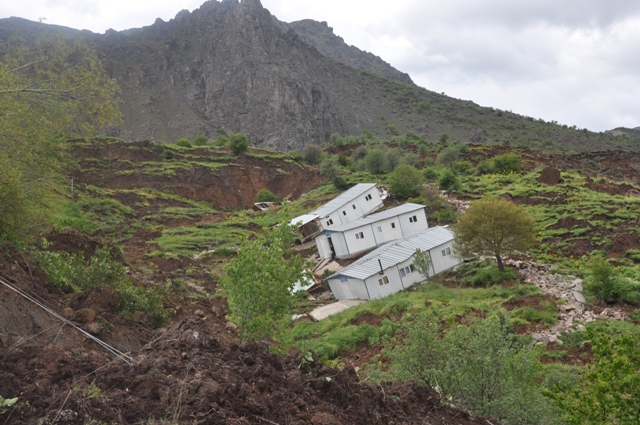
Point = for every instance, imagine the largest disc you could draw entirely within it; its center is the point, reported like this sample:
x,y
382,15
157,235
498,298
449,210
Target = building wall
x,y
388,232
322,243
358,244
442,263
380,291
411,278
409,227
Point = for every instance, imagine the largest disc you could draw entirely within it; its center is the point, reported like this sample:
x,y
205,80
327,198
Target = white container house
x,y
351,239
362,199
390,269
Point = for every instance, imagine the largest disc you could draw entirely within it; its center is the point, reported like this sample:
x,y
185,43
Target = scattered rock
x,y
199,313
579,297
67,312
231,325
220,307
94,328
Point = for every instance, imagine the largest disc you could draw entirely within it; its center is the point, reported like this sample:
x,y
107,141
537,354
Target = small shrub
x,y
462,167
410,159
431,173
448,156
405,181
507,163
449,181
484,167
312,154
393,159
200,140
185,143
265,195
376,161
490,275
359,153
238,143
296,155
167,155
603,280
221,141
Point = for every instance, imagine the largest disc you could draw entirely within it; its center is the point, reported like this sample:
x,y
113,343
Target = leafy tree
x,y
411,159
46,90
422,262
184,143
507,163
608,390
221,141
393,159
200,140
259,280
603,280
448,181
443,138
448,156
312,154
483,367
265,195
376,161
405,181
238,143
331,170
359,153
484,167
495,226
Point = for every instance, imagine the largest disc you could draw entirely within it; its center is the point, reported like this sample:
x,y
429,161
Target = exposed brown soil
x,y
576,356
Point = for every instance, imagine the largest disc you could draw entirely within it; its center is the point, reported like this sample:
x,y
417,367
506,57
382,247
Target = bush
x,y
489,275
376,161
296,155
485,368
405,181
185,143
410,159
507,163
484,167
72,271
603,280
393,159
167,154
449,181
312,154
462,167
200,140
221,141
448,156
238,143
431,173
359,153
265,195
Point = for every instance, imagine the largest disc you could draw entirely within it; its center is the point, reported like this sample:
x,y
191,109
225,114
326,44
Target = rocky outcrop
x,y
320,35
572,311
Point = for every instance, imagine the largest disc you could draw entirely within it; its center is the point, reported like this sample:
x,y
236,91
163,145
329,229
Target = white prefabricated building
x,y
351,239
362,199
390,269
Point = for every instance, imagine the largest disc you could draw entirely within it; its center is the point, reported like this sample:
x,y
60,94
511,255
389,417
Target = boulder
x,y
84,315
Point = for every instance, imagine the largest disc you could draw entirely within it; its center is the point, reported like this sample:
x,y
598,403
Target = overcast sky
x,y
573,61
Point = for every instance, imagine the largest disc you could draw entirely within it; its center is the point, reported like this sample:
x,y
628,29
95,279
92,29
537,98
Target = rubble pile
x,y
459,206
572,313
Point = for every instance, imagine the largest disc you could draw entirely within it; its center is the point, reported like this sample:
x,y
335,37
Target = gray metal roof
x,y
343,199
373,218
396,252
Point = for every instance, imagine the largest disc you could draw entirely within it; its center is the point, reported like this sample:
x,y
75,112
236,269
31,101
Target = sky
x,y
576,62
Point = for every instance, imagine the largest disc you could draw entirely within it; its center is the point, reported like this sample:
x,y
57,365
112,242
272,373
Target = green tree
x,y
608,390
484,367
507,163
259,280
494,226
330,168
405,181
393,159
603,280
422,262
312,154
200,140
221,141
265,195
448,156
376,161
448,181
183,143
238,143
47,90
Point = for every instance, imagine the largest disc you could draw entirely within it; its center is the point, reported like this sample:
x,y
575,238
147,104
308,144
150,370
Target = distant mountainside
x,y
320,35
232,66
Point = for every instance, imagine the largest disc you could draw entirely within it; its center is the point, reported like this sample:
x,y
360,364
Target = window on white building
x,y
354,206
404,271
413,219
446,252
344,213
383,281
393,225
380,229
368,197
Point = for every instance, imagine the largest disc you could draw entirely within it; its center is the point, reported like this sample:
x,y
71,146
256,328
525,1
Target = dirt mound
x,y
187,375
612,188
550,176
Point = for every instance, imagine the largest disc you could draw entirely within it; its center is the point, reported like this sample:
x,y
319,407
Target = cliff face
x,y
229,66
320,35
